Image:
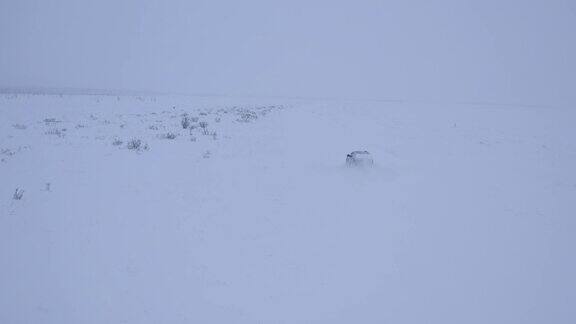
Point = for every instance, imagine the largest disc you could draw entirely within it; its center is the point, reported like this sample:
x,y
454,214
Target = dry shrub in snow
x,y
204,126
136,144
170,136
19,126
18,194
246,116
55,131
51,120
185,122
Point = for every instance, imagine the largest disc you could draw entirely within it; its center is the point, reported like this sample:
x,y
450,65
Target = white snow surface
x,y
469,215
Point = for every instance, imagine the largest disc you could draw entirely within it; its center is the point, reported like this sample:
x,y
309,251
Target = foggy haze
x,y
489,51
298,161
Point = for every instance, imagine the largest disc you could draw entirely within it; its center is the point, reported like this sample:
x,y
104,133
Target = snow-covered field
x,y
249,215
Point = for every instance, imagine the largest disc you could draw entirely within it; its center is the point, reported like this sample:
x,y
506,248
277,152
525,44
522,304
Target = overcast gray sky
x,y
483,50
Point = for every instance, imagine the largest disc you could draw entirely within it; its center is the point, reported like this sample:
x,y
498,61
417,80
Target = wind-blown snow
x,y
467,216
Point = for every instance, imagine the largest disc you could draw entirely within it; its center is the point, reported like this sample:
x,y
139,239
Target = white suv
x,y
359,159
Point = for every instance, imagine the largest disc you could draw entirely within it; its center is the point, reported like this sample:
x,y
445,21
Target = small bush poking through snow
x,y
55,131
136,144
7,152
204,126
185,122
51,120
194,119
246,116
117,142
19,126
170,136
18,194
